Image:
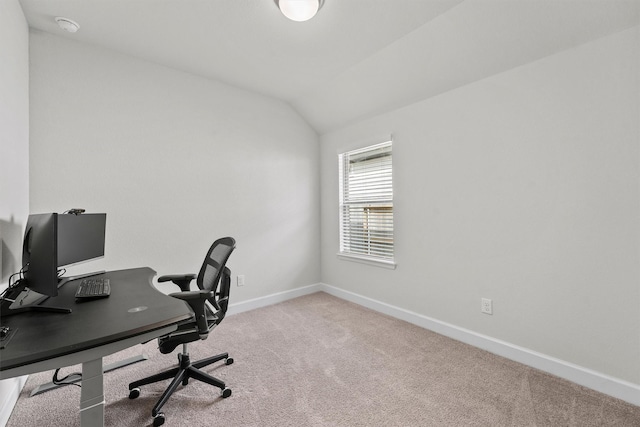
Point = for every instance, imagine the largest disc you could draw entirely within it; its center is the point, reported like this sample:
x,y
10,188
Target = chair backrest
x,y
222,296
213,268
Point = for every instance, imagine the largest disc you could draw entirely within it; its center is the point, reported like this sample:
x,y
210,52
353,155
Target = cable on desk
x,y
14,284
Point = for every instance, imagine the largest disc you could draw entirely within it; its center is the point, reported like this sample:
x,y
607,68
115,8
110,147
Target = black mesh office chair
x,y
209,305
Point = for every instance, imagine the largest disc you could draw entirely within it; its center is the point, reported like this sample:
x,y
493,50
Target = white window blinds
x,y
366,202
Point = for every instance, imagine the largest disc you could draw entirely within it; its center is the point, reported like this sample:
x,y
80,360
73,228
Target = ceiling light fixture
x,y
299,10
67,24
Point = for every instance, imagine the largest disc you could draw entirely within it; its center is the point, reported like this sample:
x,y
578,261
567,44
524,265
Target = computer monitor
x,y
52,241
40,254
80,238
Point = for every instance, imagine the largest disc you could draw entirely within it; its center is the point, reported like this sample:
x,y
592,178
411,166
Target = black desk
x,y
134,313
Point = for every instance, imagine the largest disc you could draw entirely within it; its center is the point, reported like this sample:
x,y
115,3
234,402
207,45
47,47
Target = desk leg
x,y
92,395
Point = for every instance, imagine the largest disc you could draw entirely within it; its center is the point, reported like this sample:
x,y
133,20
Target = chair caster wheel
x,y
226,393
158,420
229,361
133,393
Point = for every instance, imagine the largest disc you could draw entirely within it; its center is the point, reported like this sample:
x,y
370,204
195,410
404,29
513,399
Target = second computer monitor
x,y
80,238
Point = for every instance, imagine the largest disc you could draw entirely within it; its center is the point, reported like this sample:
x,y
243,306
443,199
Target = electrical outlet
x,y
486,306
240,280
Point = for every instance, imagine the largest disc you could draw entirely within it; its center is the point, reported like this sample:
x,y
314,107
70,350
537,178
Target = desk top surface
x,y
134,307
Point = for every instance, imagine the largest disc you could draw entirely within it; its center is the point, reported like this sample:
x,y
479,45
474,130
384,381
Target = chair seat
x,y
169,343
185,333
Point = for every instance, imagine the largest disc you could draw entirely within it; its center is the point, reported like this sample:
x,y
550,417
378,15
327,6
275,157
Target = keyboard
x,y
93,288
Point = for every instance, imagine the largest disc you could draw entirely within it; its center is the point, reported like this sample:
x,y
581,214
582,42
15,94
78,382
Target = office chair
x,y
209,305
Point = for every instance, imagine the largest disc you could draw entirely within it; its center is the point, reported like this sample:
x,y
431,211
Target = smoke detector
x,y
67,24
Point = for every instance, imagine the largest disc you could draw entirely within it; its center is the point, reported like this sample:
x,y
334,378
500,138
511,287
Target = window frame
x,y
370,198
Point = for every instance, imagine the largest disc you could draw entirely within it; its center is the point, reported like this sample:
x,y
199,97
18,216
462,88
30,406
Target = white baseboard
x,y
11,389
597,381
272,299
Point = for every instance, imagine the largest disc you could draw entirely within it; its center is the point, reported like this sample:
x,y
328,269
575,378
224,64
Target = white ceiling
x,y
356,58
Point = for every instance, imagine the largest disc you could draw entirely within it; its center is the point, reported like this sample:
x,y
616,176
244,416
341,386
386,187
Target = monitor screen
x,y
80,238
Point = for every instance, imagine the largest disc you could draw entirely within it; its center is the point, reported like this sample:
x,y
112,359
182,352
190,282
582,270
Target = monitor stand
x,y
23,299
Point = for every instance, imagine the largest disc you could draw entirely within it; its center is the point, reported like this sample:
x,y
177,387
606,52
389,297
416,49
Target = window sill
x,y
391,265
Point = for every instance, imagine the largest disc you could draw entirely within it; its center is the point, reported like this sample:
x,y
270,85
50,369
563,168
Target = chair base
x,y
181,375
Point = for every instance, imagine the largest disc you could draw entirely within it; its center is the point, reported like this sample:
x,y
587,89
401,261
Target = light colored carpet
x,y
321,361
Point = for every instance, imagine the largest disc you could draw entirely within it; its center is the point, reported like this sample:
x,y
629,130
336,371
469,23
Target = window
x,y
366,203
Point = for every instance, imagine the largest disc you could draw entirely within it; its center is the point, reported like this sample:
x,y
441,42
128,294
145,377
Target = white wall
x,y
522,188
14,135
175,161
14,152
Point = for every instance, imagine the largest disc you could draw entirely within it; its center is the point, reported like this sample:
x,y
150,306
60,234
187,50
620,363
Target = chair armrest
x,y
196,300
192,295
182,280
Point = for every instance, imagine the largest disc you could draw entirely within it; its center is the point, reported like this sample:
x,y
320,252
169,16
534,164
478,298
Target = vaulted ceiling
x,y
355,59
